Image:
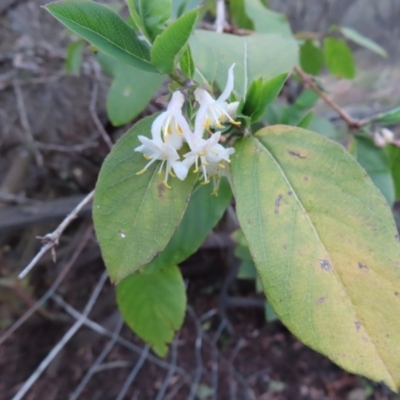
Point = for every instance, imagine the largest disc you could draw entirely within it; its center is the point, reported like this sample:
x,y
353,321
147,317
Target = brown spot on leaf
x,y
396,293
365,339
321,300
306,178
325,265
296,154
362,266
277,203
290,193
358,325
161,190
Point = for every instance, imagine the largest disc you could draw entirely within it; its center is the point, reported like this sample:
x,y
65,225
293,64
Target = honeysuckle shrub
x,y
315,230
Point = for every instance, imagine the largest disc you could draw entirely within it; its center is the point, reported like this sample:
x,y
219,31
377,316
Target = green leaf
x,y
153,305
103,28
325,127
376,162
267,21
131,90
150,15
193,230
325,245
169,45
394,160
186,63
134,215
307,99
260,94
311,58
339,58
214,53
180,6
239,16
363,41
306,120
73,61
391,117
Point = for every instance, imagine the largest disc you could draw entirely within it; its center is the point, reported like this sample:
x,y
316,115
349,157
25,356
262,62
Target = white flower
x,y
387,134
383,137
213,112
155,149
171,123
206,153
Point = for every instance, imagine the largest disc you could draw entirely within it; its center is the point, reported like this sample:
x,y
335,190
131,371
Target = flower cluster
x,y
170,131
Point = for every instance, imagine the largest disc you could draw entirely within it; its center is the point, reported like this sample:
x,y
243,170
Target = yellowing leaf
x,y
325,245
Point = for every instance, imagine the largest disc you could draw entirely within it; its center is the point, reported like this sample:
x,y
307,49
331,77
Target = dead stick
x,y
50,240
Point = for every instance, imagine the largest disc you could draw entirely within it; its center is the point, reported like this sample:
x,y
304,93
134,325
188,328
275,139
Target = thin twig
x,y
220,16
57,348
353,124
95,366
39,303
199,361
92,108
123,342
171,371
75,148
50,240
29,140
135,371
14,198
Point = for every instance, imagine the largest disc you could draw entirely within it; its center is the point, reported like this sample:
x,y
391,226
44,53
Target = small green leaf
x,y
239,16
339,58
260,94
169,45
391,117
134,215
73,61
150,15
311,58
394,160
214,53
153,305
306,120
307,99
363,41
193,230
325,127
103,28
186,63
376,162
325,245
267,21
131,90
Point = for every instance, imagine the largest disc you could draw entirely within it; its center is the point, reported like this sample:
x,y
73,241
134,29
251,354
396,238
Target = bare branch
x,y
28,139
220,17
50,240
92,109
65,269
134,372
353,124
56,349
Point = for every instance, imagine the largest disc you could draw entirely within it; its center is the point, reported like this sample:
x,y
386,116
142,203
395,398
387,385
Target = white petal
x,y
232,108
229,85
174,140
203,97
157,124
387,134
181,170
177,101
